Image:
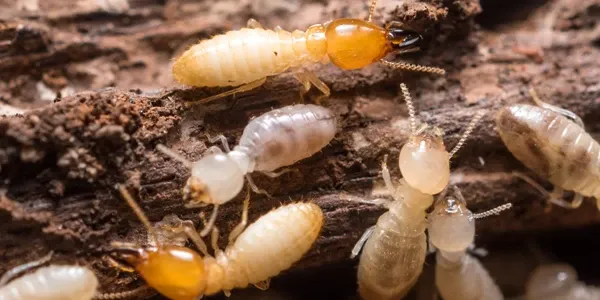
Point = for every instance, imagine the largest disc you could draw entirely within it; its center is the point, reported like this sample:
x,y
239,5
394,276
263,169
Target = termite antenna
x,y
138,211
493,211
10,274
412,67
565,112
411,108
371,10
465,135
120,295
211,221
174,155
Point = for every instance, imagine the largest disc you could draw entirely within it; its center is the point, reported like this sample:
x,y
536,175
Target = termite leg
x,y
537,186
557,199
240,89
211,221
214,240
227,293
263,285
276,174
308,78
378,201
565,112
10,274
237,230
253,24
387,178
361,242
220,138
255,188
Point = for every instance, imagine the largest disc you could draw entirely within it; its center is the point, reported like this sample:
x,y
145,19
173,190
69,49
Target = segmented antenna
x,y
465,135
138,211
120,295
174,155
412,67
371,10
10,274
493,211
411,108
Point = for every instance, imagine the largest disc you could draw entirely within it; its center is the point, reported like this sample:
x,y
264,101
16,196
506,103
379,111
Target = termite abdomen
x,y
552,146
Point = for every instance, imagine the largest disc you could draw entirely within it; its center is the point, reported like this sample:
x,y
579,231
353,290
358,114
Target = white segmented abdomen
x,y
286,135
552,146
271,244
52,283
239,57
392,259
466,279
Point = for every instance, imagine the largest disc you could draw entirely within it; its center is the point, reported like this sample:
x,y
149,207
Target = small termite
x,y
553,143
395,248
273,140
459,275
268,246
246,57
558,282
48,283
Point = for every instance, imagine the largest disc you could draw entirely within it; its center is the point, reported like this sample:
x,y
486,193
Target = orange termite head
x,y
403,39
176,272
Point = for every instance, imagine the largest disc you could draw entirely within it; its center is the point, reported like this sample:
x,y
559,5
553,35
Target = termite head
x,y
175,272
451,225
551,281
215,179
424,161
403,39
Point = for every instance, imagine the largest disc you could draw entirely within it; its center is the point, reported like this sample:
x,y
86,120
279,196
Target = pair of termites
x,y
553,143
394,250
245,58
269,245
459,275
273,140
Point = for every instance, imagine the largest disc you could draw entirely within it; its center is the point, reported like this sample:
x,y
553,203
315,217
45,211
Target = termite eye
x,y
404,39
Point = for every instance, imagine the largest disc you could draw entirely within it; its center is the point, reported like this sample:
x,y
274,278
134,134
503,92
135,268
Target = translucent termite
x,y
245,58
558,282
459,275
553,143
268,246
48,283
395,248
273,140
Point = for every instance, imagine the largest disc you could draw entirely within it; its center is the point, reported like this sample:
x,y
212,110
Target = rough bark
x,y
109,70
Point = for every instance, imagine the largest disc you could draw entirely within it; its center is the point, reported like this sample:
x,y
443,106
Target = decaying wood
x,y
109,70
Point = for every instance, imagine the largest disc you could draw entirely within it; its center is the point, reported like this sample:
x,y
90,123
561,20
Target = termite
x,y
558,282
459,275
273,140
268,246
553,143
395,248
245,58
48,283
